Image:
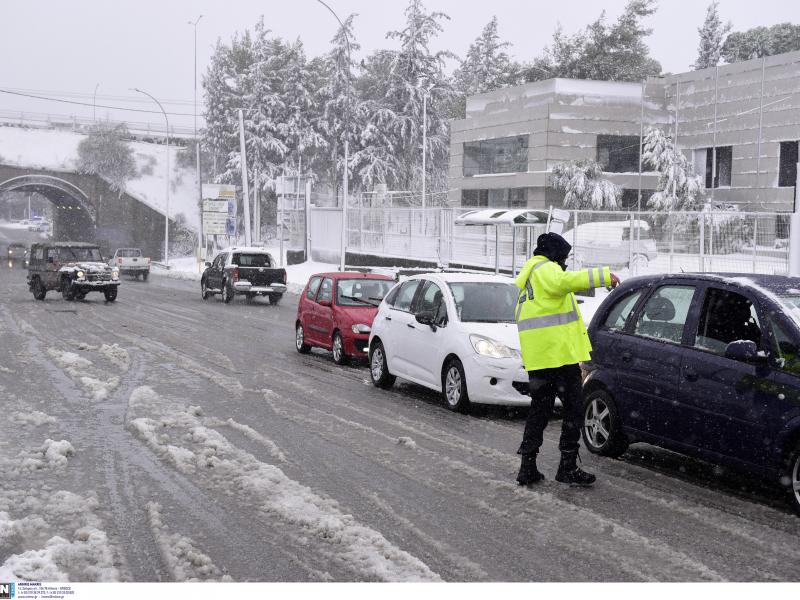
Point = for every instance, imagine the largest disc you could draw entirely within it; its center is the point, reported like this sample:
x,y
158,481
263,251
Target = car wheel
x,y
792,479
274,299
339,356
454,386
227,292
602,430
249,298
39,291
145,276
379,368
204,293
110,294
80,295
66,290
300,339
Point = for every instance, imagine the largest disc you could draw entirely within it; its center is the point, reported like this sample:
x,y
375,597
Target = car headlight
x,y
115,273
361,328
80,274
492,348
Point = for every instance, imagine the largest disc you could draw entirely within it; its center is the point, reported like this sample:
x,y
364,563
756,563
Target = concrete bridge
x,y
85,208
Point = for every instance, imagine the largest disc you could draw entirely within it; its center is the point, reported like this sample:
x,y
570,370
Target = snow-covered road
x,y
163,438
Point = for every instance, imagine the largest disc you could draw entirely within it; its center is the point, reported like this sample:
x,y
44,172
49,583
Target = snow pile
x,y
51,455
35,417
406,441
184,561
6,370
183,438
78,367
58,538
116,355
251,433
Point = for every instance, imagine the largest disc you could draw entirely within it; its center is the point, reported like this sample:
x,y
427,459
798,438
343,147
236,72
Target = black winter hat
x,y
552,246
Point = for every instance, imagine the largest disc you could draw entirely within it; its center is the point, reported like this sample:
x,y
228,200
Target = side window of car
x,y
326,290
726,317
432,301
406,295
392,295
52,254
618,315
664,314
788,352
313,287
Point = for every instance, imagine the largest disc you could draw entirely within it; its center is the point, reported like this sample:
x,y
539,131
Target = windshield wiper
x,y
362,300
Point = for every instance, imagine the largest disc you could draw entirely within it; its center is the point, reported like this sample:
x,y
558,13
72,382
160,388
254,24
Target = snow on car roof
x,y
247,249
456,277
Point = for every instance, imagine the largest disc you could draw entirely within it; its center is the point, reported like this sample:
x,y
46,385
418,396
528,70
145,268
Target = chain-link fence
x,y
641,242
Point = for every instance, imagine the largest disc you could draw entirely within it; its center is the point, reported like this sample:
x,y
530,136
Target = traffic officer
x,y
554,340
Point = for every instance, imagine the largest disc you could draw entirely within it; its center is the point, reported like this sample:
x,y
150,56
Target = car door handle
x,y
410,325
388,318
691,375
627,356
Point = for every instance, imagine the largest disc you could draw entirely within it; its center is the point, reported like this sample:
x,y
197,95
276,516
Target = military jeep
x,y
72,268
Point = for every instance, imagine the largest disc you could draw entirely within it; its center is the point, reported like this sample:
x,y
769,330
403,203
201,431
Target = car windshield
x,y
361,292
79,254
485,301
792,304
251,260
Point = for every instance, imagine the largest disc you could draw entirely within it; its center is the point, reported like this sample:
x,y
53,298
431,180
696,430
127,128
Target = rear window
x,y
251,260
129,253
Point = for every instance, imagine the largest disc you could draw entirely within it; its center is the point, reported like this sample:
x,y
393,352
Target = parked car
x,y
247,271
609,243
454,333
130,261
705,365
336,310
73,268
39,225
16,253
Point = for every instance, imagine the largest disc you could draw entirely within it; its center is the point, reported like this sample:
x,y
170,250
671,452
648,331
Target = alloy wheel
x,y
597,423
796,479
376,365
299,337
453,386
338,350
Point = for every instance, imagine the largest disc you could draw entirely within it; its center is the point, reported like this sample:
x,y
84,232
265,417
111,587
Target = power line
x,y
73,94
140,110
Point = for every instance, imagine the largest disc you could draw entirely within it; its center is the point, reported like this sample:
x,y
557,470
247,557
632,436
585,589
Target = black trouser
x,y
545,385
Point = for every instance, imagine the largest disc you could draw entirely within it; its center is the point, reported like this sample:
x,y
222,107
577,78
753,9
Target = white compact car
x,y
454,333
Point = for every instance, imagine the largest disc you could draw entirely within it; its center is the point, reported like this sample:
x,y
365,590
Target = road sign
x,y
217,206
215,223
219,209
216,191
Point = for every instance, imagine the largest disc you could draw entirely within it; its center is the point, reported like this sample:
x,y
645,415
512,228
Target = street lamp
x,y
166,212
197,142
346,130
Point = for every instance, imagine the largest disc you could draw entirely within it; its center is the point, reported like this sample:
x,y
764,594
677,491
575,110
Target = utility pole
x,y
245,187
200,244
424,143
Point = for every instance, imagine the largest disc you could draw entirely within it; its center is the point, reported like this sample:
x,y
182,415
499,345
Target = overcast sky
x,y
67,47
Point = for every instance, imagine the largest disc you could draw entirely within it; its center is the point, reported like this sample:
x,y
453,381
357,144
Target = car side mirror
x,y
744,351
50,259
207,264
324,302
426,317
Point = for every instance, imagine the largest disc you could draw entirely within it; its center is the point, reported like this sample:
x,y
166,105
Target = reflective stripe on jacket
x,y
551,329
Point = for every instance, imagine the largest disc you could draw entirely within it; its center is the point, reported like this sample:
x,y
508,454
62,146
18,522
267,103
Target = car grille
x,y
521,387
361,345
98,277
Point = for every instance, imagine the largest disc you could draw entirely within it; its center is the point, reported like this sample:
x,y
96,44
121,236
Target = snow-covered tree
x,y
616,52
487,65
761,41
679,188
712,34
584,186
106,153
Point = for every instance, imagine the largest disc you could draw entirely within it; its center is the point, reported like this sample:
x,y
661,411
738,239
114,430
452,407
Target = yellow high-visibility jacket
x,y
551,329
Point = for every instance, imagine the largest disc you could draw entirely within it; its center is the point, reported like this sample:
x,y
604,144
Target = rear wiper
x,y
362,300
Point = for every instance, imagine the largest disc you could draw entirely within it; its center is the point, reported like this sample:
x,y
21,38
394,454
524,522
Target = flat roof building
x,y
502,153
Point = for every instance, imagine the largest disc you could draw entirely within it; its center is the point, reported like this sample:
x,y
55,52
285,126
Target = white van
x,y
609,243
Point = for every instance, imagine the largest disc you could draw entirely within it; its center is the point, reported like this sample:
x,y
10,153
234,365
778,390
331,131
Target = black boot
x,y
528,473
569,472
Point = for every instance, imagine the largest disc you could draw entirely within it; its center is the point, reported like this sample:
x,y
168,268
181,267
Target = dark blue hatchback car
x,y
705,365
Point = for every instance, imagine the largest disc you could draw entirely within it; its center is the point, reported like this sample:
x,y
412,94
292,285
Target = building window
x,y
724,166
787,171
618,153
502,155
500,198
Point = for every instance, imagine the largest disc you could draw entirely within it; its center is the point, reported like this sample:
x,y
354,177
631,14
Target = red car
x,y
336,310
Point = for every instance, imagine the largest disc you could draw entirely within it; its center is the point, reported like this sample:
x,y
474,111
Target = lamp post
x,y
197,147
166,212
346,130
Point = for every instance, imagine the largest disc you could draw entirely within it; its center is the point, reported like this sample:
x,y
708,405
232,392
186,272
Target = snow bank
x,y
183,560
35,417
116,355
79,369
182,438
57,537
51,455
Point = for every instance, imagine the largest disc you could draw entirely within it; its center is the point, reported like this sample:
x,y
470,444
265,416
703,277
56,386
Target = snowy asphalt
x,y
189,440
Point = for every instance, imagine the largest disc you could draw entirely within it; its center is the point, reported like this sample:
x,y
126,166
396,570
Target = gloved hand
x,y
614,281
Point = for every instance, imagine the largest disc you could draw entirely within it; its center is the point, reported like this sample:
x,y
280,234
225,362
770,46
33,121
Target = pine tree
x,y
584,186
487,66
679,188
712,34
106,153
761,41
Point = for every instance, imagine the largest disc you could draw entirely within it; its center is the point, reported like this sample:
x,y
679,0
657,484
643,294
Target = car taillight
x,y
148,261
236,273
119,261
284,277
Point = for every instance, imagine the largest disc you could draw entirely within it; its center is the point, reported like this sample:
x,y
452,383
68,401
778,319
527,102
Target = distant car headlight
x,y
492,348
361,328
80,274
115,273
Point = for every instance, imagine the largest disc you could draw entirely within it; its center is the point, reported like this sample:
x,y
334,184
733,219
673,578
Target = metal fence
x,y
639,242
